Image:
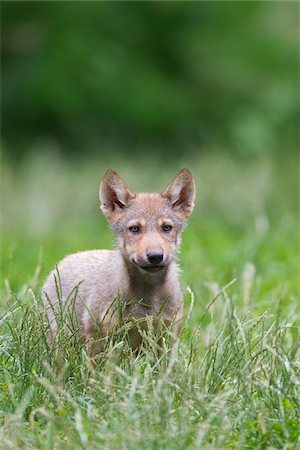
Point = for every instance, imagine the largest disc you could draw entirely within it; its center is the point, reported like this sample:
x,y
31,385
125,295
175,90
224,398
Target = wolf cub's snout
x,y
155,258
142,269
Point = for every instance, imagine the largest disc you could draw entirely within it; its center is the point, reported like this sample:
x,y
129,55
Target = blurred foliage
x,y
170,75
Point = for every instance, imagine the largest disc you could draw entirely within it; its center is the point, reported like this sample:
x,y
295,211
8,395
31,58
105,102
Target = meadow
x,y
233,378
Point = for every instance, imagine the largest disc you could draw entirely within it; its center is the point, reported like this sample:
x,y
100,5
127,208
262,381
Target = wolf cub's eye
x,y
134,229
167,228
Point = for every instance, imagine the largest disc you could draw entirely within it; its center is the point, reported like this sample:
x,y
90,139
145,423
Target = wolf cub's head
x,y
148,226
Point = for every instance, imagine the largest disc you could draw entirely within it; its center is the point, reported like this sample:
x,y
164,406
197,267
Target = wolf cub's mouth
x,y
151,269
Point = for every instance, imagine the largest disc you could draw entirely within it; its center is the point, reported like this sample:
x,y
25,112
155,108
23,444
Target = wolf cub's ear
x,y
114,195
181,192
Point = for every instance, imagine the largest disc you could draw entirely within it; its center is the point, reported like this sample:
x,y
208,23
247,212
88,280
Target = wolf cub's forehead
x,y
148,205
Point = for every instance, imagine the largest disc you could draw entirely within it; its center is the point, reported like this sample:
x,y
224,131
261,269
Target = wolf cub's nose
x,y
155,258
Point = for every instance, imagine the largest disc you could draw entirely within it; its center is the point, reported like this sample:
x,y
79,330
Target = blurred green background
x,y
175,76
147,88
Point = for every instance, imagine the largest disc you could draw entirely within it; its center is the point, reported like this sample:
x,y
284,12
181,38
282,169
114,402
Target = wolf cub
x,y
141,272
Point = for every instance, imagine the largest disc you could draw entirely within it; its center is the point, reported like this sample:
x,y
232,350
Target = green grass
x,y
232,380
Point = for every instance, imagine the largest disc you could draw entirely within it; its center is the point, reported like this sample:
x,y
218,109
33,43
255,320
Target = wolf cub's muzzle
x,y
155,258
153,263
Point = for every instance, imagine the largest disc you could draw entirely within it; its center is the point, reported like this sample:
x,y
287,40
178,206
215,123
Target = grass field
x,y
233,379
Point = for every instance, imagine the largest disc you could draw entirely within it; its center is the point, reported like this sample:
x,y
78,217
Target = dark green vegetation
x,y
233,379
161,75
